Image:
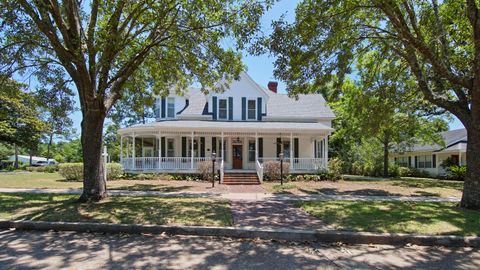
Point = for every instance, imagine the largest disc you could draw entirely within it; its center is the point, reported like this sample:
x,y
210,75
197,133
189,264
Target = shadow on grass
x,y
359,192
117,209
151,187
428,183
399,217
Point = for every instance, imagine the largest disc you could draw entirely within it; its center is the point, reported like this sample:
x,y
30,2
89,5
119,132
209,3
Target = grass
x,y
116,209
396,217
277,188
36,180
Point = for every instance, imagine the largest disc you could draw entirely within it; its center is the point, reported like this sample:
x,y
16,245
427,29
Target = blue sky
x,y
260,68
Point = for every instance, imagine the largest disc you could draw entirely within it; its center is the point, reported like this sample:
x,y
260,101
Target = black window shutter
x,y
260,147
214,107
214,145
230,108
279,146
259,109
295,148
202,146
162,141
315,149
409,161
244,105
434,161
416,161
163,107
184,146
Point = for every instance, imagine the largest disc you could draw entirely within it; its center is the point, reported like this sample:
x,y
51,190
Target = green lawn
x,y
36,180
116,209
396,217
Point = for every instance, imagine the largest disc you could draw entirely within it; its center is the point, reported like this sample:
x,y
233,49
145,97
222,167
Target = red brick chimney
x,y
272,86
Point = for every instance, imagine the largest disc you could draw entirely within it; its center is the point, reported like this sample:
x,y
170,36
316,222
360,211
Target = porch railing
x,y
185,164
259,168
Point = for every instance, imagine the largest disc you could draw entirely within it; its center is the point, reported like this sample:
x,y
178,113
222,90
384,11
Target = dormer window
x,y
222,109
171,107
252,109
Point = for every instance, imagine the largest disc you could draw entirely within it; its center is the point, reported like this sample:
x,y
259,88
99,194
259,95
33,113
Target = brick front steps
x,y
240,179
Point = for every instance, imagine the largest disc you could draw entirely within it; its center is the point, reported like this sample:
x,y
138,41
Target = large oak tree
x,y
439,42
101,45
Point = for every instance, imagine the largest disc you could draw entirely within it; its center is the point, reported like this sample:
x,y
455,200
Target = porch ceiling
x,y
229,127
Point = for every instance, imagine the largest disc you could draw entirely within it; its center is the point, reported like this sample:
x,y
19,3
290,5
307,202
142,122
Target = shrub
x,y
186,177
456,172
7,165
115,171
320,176
393,170
336,166
71,171
51,168
204,168
35,169
403,171
271,169
74,171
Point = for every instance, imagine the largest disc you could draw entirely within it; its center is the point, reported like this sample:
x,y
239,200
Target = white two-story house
x,y
244,126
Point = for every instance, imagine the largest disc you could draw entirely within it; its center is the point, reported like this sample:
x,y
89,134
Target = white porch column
x,y
326,153
159,143
222,147
460,159
133,152
191,150
291,151
121,148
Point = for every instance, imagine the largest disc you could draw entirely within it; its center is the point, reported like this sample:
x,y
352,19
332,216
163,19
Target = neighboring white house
x,y
245,126
35,160
429,157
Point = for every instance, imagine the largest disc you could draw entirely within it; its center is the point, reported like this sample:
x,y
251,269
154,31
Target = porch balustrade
x,y
185,164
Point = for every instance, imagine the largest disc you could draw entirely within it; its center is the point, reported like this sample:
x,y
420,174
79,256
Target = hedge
x,y
74,171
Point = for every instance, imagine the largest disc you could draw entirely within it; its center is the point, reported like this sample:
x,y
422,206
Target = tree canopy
x,y
102,45
438,44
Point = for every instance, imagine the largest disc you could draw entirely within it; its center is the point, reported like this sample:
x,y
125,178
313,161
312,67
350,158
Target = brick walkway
x,y
273,214
246,189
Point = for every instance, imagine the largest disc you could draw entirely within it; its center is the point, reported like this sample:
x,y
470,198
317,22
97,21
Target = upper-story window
x,y
157,108
170,107
252,109
222,109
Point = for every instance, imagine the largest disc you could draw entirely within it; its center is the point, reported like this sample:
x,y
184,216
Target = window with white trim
x,y
170,147
402,161
222,109
424,162
251,109
251,151
171,107
157,107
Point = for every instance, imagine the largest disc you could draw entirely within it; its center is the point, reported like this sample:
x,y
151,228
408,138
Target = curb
x,y
251,233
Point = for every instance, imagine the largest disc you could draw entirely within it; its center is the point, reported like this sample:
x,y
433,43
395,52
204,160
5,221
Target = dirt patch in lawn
x,y
371,188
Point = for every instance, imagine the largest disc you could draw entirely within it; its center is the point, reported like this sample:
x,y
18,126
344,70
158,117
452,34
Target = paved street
x,y
54,250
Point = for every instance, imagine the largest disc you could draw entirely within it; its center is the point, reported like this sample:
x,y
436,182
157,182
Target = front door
x,y
456,159
237,156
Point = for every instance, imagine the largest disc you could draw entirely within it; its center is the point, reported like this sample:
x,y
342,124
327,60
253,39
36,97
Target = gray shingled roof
x,y
309,106
196,102
278,105
450,137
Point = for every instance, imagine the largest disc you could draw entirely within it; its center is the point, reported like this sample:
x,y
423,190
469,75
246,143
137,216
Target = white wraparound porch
x,y
163,148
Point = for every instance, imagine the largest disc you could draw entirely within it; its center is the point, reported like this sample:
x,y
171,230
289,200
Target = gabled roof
x,y
451,138
308,106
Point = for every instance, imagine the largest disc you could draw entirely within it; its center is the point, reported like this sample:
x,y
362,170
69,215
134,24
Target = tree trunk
x,y
94,187
386,143
30,160
15,164
471,187
49,146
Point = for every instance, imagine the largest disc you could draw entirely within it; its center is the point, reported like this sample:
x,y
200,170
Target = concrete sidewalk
x,y
233,196
72,250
